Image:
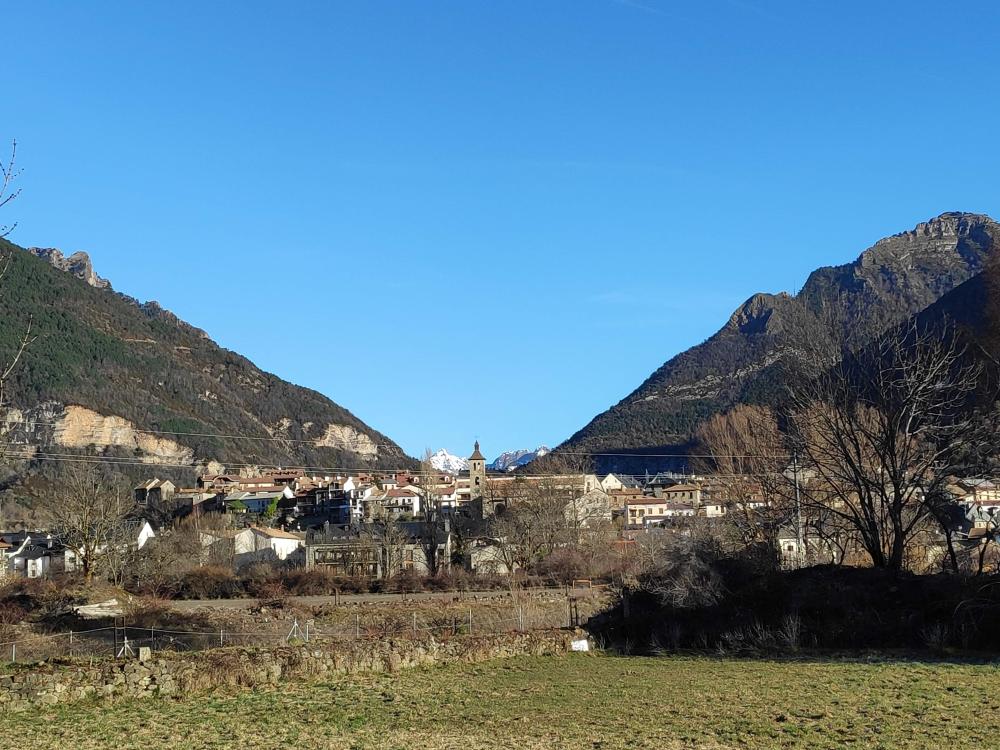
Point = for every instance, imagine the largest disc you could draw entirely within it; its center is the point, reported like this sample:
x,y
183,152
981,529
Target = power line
x,y
29,455
317,443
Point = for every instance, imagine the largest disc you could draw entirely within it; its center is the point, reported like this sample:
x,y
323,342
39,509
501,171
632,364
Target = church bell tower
x,y
477,478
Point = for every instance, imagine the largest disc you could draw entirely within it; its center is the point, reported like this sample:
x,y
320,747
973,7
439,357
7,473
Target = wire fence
x,y
123,639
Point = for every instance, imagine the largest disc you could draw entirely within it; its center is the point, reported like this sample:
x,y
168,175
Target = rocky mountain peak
x,y
941,238
78,264
754,315
744,362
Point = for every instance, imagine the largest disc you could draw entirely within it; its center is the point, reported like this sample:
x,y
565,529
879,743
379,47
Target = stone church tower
x,y
477,478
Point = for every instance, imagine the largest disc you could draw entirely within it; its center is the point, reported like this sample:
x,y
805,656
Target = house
x,y
33,561
619,498
713,509
983,491
155,494
637,509
670,512
282,544
32,554
253,544
485,557
378,550
257,501
401,501
788,545
415,547
679,493
344,551
444,497
589,509
136,533
611,482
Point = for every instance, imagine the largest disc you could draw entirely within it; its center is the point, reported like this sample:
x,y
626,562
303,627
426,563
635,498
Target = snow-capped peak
x,y
448,462
512,459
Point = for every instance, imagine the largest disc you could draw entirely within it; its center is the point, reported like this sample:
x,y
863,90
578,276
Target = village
x,y
375,526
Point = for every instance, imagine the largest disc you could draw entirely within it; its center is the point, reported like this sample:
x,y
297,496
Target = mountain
x,y
448,462
511,460
747,360
130,380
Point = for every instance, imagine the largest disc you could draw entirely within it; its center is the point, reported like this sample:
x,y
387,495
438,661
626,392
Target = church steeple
x,y
477,474
476,455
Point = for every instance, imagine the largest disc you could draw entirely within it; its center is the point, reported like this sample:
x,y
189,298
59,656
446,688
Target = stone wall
x,y
172,673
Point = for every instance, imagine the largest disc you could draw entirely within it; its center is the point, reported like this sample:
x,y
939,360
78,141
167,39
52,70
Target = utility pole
x,y
800,532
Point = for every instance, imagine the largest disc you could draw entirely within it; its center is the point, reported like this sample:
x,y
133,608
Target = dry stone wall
x,y
170,673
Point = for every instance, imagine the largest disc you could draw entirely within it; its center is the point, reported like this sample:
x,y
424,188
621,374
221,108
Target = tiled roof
x,y
279,534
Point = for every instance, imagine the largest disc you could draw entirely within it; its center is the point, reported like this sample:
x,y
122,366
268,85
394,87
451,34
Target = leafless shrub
x,y
790,632
935,636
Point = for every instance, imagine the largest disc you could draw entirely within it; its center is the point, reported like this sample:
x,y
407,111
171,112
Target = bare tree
x,y
8,175
883,431
392,540
747,455
90,516
432,517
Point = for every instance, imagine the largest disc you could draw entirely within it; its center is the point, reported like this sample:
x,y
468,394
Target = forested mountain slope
x,y
747,360
109,375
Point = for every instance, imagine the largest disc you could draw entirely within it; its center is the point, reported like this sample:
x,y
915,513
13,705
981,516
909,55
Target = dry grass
x,y
562,702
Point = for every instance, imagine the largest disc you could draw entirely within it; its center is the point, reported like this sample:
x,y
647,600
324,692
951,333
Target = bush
x,y
271,594
210,582
40,598
732,605
11,613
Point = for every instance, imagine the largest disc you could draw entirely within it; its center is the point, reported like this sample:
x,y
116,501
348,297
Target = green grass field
x,y
561,702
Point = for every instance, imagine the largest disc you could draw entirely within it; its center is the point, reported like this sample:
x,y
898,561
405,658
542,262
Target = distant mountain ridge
x,y
746,360
111,375
449,463
512,460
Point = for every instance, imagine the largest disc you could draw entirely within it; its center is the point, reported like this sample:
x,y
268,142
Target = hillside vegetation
x,y
112,355
769,337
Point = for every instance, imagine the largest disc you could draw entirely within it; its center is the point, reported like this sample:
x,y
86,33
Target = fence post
x,y
520,618
414,624
470,620
152,638
357,626
307,631
71,643
13,652
220,637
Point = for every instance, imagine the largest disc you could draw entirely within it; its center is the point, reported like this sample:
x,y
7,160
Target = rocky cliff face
x,y
54,425
77,264
839,305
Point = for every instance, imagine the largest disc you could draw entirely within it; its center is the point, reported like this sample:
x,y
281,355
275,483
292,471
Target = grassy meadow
x,y
578,701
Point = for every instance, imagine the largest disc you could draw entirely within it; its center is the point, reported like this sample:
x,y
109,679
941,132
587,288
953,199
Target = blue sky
x,y
487,219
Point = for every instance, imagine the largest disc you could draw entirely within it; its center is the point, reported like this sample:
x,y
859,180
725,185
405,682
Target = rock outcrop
x,y
77,264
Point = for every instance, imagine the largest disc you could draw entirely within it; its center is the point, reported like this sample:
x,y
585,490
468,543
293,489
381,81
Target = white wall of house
x,y
611,482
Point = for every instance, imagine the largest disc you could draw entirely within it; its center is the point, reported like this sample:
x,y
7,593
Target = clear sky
x,y
489,219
